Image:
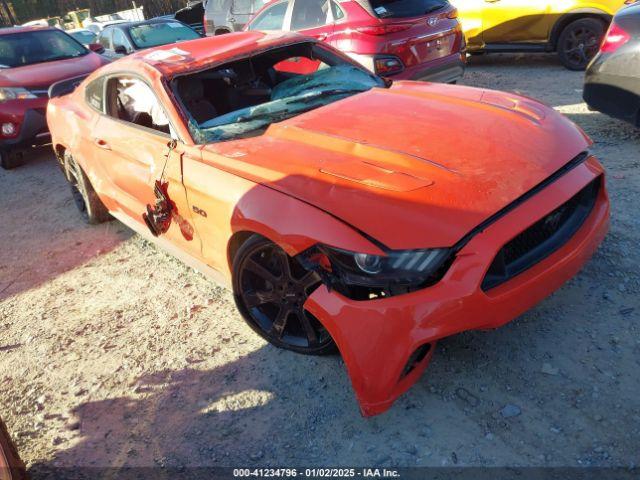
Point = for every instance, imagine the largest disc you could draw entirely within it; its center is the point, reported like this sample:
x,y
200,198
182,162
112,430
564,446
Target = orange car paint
x,y
415,166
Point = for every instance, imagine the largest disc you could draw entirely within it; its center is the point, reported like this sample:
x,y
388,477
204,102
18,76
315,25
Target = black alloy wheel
x,y
579,42
270,289
84,196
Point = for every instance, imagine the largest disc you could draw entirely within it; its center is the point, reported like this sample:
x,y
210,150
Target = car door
x,y
470,15
134,147
516,21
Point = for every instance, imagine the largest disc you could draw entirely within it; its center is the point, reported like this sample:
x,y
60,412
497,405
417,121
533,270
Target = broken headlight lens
x,y
363,276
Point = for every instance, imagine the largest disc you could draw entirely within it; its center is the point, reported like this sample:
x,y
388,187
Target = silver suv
x,y
225,16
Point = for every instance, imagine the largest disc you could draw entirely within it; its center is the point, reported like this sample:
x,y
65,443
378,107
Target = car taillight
x,y
384,29
387,65
616,37
453,13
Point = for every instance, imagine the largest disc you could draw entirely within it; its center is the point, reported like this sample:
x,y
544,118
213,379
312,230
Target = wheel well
x,y
236,241
59,151
221,31
571,17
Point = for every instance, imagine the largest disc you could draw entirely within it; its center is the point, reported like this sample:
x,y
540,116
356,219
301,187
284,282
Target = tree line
x,y
16,12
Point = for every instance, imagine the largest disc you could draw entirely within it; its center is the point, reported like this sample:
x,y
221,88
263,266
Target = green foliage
x,y
21,11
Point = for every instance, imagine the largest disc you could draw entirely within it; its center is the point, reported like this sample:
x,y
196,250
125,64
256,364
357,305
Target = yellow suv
x,y
573,28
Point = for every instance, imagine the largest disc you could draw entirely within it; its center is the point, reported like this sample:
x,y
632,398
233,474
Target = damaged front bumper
x,y
386,343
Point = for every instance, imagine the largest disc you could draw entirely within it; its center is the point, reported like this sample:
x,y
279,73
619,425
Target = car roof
x,y
32,28
142,22
192,55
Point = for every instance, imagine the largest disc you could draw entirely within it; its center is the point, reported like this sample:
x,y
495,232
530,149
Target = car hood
x,y
413,166
46,73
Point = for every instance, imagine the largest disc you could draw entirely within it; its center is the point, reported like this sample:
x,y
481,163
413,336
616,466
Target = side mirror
x,y
96,48
121,50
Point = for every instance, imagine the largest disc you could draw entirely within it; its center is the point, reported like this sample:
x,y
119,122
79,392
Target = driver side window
x,y
131,100
119,40
104,39
271,19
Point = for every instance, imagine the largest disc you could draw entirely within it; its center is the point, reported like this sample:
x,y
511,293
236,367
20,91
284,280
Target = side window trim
x,y
106,114
102,98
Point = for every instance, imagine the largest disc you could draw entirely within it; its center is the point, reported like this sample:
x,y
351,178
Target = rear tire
x,y
579,42
84,196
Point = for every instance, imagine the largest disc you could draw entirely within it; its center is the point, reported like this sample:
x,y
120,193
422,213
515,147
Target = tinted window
x,y
104,38
406,8
154,34
336,11
245,7
84,36
309,14
26,48
119,39
271,19
94,94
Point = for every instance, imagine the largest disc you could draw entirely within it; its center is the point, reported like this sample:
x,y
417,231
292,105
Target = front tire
x,y
85,197
579,42
270,289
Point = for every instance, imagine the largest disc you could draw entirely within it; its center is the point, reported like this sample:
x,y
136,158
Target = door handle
x,y
322,37
102,144
491,1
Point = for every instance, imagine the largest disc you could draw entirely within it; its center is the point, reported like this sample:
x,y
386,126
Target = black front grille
x,y
542,238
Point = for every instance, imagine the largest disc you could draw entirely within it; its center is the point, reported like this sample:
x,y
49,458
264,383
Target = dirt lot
x,y
113,353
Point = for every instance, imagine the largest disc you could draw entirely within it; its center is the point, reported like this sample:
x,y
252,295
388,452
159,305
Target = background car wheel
x,y
270,289
7,161
84,196
579,42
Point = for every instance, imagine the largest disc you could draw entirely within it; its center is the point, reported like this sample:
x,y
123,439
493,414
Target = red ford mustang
x,y
341,208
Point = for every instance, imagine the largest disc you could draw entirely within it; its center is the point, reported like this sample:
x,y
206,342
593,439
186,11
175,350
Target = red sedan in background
x,y
403,39
31,60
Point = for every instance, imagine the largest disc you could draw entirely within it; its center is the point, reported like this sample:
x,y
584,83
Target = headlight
x,y
362,276
15,93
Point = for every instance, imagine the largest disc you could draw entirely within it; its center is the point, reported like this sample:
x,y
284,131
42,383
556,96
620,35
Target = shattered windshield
x,y
244,98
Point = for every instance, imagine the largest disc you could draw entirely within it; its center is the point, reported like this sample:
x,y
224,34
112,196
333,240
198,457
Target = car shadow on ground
x,y
43,234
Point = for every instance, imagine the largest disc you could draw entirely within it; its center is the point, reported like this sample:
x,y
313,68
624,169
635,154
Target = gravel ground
x,y
112,353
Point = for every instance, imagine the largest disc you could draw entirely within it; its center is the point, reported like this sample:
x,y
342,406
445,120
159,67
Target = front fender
x,y
230,204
